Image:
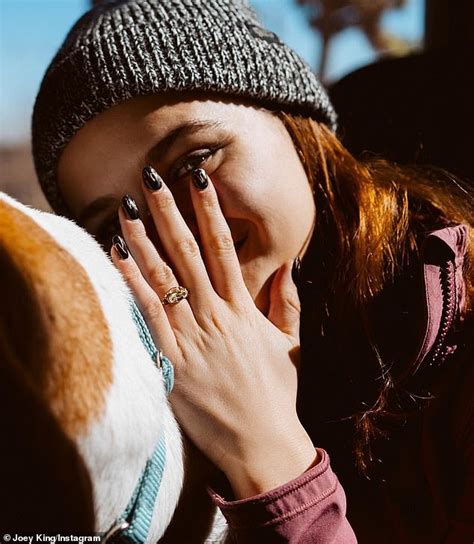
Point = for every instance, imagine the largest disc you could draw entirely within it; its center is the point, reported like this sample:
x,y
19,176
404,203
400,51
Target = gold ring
x,y
175,295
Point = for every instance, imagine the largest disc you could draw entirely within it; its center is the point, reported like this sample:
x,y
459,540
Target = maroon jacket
x,y
420,488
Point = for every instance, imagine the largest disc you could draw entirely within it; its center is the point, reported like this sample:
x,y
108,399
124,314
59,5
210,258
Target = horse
x,y
90,443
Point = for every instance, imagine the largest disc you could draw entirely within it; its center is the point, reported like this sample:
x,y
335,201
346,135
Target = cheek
x,y
244,181
238,189
269,191
287,187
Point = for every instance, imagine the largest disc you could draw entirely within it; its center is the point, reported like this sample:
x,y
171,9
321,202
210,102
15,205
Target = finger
x,y
176,237
217,242
285,307
155,271
146,299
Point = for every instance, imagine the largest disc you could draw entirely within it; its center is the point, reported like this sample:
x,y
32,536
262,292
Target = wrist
x,y
269,468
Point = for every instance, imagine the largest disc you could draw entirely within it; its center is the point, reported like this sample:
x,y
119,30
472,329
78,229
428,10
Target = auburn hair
x,y
371,218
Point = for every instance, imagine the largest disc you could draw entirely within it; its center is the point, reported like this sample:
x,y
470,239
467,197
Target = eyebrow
x,y
155,154
159,150
96,207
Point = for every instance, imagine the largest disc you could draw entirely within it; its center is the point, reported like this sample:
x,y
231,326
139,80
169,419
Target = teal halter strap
x,y
147,341
134,524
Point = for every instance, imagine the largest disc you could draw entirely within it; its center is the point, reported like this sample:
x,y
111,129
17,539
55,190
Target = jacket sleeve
x,y
461,521
309,509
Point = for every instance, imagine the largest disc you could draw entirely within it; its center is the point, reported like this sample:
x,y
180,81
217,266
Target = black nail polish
x,y
130,207
151,178
120,246
200,180
295,270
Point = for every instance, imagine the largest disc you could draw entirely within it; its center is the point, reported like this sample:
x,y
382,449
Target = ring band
x,y
175,295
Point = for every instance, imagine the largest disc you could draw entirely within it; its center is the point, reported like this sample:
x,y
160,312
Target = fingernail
x,y
119,244
130,207
295,270
151,178
200,180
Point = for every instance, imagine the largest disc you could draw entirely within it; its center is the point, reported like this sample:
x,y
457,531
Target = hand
x,y
235,369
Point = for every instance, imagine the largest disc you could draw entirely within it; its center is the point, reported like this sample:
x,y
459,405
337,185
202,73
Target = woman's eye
x,y
190,162
107,230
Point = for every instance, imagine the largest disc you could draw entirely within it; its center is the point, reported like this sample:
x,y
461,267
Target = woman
x,y
216,142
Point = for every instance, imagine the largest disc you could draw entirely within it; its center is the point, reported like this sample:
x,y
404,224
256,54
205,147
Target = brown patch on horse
x,y
45,483
54,322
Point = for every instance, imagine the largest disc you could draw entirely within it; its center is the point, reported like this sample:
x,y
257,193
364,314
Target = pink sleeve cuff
x,y
282,503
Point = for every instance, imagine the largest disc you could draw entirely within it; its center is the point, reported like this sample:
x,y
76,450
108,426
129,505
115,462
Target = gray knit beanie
x,y
125,48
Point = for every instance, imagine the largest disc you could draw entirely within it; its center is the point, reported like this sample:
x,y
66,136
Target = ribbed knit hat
x,y
125,48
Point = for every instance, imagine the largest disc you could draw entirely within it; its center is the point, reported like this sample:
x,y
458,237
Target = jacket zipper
x,y
440,350
426,377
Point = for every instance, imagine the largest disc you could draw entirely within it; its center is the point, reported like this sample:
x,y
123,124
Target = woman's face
x,y
247,152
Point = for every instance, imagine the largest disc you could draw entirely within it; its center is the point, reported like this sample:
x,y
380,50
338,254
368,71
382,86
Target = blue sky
x,y
32,30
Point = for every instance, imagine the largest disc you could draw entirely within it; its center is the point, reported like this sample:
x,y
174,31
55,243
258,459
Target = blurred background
x,y
398,72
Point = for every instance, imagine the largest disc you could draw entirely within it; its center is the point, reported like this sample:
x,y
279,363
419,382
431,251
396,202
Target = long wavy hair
x,y
371,217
